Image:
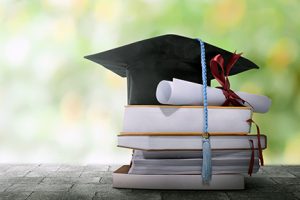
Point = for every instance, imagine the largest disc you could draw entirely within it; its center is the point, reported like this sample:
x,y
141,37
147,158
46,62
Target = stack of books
x,y
167,144
163,122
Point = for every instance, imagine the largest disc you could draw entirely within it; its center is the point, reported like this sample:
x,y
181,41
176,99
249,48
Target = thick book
x,y
168,170
222,163
121,179
191,166
183,142
185,119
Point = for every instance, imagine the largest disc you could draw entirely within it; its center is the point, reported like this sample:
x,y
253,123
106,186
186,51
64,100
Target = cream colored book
x,y
224,154
183,142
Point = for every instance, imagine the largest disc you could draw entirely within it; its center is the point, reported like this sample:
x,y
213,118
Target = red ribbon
x,y
232,98
260,154
222,77
251,163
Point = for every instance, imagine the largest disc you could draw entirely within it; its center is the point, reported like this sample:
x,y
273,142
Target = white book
x,y
185,119
192,154
220,164
192,169
121,179
190,162
190,142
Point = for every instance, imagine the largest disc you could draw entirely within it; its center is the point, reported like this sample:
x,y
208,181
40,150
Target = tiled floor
x,y
50,181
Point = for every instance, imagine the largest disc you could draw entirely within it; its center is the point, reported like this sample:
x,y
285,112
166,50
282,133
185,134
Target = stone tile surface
x,y
58,195
43,187
14,195
209,195
92,182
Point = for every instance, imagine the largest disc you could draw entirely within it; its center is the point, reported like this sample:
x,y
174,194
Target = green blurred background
x,y
56,106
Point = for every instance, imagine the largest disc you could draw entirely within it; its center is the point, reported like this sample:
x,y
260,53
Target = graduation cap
x,y
145,63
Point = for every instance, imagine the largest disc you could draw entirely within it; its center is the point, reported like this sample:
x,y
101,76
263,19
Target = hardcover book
x,y
185,119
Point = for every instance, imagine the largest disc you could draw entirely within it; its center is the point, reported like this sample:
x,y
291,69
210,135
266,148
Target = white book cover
x,y
121,179
185,119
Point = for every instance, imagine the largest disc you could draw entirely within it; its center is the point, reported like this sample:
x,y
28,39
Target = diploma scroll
x,y
180,92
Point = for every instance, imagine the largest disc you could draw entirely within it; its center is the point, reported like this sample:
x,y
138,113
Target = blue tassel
x,y
206,166
206,149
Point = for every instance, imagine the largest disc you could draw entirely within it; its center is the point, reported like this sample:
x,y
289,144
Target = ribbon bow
x,y
222,77
231,97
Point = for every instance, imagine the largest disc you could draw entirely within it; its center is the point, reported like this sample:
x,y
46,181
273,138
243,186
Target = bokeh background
x,y
56,106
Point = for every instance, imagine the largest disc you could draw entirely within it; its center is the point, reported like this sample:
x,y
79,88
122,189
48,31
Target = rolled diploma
x,y
180,92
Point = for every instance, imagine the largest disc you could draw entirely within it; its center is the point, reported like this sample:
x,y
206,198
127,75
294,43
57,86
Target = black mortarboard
x,y
147,62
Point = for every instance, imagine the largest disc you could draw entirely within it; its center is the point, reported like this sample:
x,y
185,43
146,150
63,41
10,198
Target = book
x,y
140,119
192,154
190,142
226,162
167,170
121,179
139,162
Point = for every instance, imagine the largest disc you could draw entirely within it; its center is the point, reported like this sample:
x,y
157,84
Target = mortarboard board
x,y
145,63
